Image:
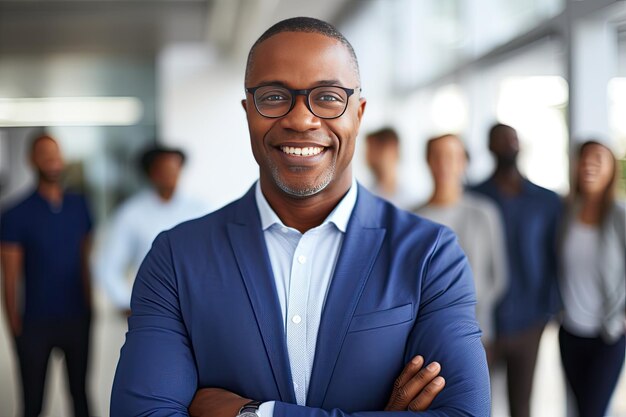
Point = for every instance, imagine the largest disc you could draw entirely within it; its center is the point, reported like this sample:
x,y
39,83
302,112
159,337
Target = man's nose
x,y
300,118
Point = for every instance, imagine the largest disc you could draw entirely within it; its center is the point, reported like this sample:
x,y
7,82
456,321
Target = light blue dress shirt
x,y
303,266
130,235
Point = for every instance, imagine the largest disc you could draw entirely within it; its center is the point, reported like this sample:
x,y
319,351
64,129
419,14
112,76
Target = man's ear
x,y
244,104
361,110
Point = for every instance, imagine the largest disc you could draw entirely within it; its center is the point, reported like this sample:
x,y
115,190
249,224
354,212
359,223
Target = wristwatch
x,y
250,409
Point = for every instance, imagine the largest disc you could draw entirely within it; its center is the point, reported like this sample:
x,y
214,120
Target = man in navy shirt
x,y
44,243
530,216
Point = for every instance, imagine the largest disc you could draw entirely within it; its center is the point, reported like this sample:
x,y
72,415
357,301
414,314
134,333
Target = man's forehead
x,y
45,142
167,157
296,55
505,131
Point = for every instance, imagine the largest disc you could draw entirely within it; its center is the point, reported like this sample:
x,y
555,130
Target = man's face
x,y
165,171
447,160
47,160
300,60
505,145
381,155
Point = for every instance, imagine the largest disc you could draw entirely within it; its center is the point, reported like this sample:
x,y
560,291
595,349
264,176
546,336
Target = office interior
x,y
109,77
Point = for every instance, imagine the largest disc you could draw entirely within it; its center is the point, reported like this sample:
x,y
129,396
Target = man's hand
x,y
414,390
216,402
416,387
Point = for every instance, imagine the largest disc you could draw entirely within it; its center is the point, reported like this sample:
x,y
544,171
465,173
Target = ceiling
x,y
144,26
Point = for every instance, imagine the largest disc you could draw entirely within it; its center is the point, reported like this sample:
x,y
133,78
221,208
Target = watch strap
x,y
250,407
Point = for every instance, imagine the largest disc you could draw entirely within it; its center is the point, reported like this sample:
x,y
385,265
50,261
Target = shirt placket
x,y
297,317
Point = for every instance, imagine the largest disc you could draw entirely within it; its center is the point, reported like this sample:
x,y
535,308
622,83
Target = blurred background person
x,y
140,219
474,219
45,241
593,282
530,214
382,156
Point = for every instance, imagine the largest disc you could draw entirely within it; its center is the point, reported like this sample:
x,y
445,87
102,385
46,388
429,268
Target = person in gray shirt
x,y
476,222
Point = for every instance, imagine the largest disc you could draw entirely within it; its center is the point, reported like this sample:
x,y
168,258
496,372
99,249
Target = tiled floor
x,y
108,336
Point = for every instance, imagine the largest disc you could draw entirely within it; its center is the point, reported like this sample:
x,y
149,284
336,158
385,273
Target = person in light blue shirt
x,y
303,265
127,238
308,296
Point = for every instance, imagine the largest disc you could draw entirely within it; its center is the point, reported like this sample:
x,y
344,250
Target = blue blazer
x,y
205,314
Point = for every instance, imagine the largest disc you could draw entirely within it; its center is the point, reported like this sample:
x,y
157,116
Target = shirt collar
x,y
340,216
153,195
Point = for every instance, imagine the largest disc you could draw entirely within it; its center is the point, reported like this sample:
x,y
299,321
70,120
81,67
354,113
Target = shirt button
x,y
284,230
302,259
295,385
296,319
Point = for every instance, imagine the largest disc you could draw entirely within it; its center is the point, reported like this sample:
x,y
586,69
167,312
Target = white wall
x,y
200,111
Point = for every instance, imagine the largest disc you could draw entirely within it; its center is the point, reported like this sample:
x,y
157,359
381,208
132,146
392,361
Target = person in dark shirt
x,y
530,215
44,242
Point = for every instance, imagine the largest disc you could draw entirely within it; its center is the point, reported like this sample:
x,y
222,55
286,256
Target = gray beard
x,y
304,191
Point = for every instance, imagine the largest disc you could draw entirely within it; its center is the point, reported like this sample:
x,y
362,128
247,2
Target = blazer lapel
x,y
360,248
248,244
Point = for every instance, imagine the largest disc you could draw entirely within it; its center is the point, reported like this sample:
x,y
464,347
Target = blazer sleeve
x,y
445,331
156,374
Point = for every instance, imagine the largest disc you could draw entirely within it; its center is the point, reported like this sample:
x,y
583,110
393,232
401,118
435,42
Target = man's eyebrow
x,y
271,82
327,82
315,84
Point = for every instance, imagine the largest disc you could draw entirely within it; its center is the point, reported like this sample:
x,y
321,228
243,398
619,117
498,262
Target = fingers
x,y
424,377
425,398
416,386
399,396
409,371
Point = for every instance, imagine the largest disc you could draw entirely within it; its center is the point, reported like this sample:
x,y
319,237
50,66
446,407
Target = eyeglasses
x,y
325,102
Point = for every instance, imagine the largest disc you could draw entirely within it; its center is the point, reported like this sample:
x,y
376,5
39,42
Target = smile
x,y
308,151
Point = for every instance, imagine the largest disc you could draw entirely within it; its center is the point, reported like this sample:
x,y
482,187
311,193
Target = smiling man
x,y
308,296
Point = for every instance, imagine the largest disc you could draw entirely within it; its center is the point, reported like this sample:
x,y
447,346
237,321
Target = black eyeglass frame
x,y
307,94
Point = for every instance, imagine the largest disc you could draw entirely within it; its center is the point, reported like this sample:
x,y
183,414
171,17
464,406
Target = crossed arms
x,y
158,373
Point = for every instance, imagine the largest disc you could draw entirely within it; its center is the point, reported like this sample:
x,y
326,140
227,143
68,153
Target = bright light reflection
x,y
70,111
449,110
535,106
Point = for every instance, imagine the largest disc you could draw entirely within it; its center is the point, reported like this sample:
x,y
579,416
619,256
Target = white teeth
x,y
310,151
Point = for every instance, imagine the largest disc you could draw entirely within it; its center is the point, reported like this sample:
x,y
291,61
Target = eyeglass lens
x,y
324,101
